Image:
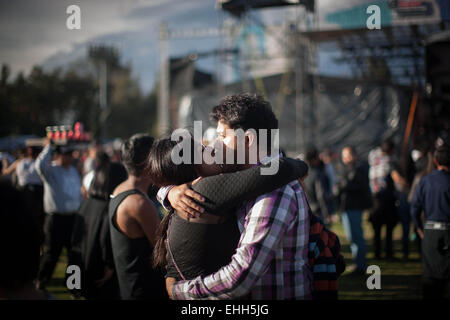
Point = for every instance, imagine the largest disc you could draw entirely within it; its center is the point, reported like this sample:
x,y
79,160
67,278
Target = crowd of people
x,y
142,227
383,185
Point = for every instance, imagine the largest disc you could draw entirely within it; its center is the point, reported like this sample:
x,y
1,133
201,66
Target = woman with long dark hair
x,y
91,232
200,246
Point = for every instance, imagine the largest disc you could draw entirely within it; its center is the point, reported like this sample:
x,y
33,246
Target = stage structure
x,y
250,51
398,55
385,94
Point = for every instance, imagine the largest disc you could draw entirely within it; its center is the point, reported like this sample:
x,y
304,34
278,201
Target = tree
x,y
43,98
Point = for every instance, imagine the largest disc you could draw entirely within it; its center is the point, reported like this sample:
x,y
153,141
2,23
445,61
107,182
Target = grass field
x,y
399,279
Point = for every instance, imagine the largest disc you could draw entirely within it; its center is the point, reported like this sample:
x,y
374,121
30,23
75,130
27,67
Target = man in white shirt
x,y
62,199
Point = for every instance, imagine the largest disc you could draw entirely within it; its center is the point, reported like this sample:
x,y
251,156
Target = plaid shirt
x,y
271,260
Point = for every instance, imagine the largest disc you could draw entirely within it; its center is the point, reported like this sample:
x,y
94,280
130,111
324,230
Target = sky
x,y
35,32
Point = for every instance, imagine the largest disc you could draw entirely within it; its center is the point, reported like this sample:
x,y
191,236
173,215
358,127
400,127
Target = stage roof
x,y
397,52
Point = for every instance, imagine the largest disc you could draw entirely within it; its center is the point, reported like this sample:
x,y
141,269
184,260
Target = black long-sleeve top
x,y
354,190
230,189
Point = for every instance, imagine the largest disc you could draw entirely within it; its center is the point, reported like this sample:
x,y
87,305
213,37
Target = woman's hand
x,y
182,198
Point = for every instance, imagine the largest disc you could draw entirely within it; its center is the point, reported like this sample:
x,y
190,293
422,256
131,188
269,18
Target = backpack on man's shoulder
x,y
325,259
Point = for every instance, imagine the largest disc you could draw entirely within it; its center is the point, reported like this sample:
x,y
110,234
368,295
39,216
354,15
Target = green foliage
x,y
30,103
110,55
400,280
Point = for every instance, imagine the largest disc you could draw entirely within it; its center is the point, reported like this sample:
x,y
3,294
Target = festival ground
x,y
400,280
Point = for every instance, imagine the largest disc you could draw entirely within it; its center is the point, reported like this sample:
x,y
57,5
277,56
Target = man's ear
x,y
250,138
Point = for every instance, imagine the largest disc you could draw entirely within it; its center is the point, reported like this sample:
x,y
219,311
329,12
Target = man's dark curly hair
x,y
246,111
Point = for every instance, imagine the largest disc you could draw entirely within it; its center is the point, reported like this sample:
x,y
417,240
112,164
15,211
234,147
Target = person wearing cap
x,y
433,197
62,199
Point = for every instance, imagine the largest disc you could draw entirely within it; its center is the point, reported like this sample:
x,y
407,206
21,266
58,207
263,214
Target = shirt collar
x,y
270,158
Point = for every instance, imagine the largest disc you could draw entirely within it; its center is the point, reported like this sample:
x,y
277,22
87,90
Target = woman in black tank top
x,y
132,258
187,249
133,254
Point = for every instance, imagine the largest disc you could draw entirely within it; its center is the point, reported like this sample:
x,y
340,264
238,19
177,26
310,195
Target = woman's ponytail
x,y
160,250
